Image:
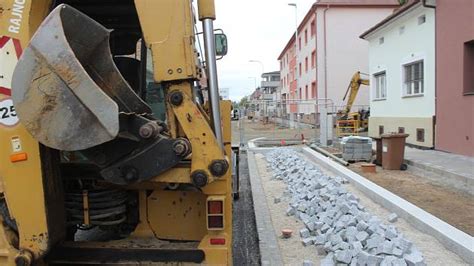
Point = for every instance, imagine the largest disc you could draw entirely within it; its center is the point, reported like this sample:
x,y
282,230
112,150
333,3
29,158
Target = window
x,y
420,134
380,81
299,94
300,69
313,28
401,130
306,36
299,43
421,19
381,40
306,65
413,79
469,68
306,95
313,59
380,130
313,90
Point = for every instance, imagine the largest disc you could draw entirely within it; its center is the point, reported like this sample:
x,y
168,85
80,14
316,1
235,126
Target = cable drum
x,y
105,207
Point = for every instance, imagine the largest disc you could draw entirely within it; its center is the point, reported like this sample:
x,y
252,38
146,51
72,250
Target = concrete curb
x,y
268,243
450,237
440,175
269,144
251,144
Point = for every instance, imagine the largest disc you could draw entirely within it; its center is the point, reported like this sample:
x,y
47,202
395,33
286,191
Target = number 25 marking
x,y
6,113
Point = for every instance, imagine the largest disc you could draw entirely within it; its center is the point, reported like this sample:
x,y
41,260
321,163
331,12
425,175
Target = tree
x,y
244,101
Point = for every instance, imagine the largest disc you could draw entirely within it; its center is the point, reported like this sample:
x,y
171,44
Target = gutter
x,y
429,6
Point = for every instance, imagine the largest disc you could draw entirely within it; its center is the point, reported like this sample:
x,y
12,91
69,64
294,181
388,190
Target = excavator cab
x,y
124,164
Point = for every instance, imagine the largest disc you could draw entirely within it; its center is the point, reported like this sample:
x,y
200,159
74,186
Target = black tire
x,y
236,195
403,167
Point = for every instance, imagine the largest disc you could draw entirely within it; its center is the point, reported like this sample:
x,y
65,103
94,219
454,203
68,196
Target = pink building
x,y
454,130
328,52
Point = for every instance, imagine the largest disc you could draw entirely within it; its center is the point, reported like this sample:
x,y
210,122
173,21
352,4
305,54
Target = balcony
x,y
270,84
268,96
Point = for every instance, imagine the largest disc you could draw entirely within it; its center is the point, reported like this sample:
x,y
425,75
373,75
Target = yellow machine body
x,y
349,123
170,218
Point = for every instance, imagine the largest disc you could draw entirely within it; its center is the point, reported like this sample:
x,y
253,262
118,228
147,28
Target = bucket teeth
x,y
67,91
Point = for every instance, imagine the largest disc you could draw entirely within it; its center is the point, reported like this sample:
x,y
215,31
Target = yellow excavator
x,y
90,171
350,123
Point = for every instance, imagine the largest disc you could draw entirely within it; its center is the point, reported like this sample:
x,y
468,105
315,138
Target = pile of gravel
x,y
336,223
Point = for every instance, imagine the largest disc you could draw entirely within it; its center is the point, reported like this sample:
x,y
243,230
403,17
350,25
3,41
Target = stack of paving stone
x,y
336,223
356,148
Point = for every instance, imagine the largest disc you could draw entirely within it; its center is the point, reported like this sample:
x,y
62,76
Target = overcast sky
x,y
256,30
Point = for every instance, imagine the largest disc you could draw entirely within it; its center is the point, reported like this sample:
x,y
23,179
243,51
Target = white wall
x,y
416,42
346,52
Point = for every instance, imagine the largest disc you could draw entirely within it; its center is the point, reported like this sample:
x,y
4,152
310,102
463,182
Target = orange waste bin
x,y
393,151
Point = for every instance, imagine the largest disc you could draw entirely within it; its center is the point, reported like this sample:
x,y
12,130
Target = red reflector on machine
x,y
18,157
215,222
214,207
217,241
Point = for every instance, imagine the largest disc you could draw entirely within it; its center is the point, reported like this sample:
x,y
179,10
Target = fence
x,y
296,120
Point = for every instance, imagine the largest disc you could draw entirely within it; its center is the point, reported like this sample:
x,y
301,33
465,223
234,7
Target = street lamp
x,y
254,81
259,62
297,64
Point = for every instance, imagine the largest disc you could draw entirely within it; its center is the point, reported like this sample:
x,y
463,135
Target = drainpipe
x,y
325,75
316,94
433,6
325,54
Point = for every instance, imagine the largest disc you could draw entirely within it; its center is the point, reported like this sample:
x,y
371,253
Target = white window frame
x,y
377,93
421,82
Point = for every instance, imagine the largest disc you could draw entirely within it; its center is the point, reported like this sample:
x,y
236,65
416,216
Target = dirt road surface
x,y
451,206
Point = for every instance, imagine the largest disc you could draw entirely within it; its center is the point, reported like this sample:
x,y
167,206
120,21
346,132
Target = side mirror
x,y
221,44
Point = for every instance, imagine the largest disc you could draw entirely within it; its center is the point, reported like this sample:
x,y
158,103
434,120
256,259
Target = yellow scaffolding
x,y
347,128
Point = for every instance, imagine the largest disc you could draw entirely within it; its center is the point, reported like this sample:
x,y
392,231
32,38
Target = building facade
x,y
270,90
455,76
402,74
328,52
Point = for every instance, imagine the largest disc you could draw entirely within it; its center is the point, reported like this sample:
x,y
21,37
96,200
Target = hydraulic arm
x,y
353,89
88,151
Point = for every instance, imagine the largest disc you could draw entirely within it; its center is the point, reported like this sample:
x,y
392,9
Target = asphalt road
x,y
245,245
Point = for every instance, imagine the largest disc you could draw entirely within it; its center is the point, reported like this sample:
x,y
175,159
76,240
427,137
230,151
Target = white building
x,y
270,88
402,70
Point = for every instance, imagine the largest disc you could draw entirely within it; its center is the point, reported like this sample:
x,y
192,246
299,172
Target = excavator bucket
x,y
67,91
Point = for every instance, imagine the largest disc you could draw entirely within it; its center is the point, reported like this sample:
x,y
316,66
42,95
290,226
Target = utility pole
x,y
261,85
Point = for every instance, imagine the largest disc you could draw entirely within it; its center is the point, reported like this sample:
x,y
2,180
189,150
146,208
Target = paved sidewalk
x,y
453,163
455,170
